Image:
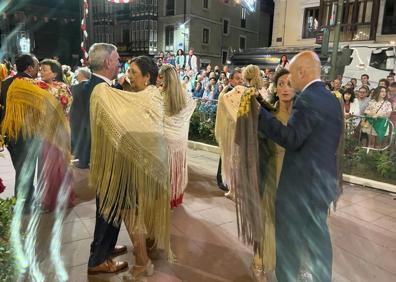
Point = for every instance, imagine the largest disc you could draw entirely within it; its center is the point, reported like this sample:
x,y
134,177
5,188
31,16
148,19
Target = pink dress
x,y
55,179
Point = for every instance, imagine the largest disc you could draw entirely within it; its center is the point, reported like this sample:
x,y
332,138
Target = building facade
x,y
296,22
214,28
41,27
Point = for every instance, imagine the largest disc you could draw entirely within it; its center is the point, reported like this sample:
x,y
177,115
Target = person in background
x,y
390,79
351,108
283,63
192,60
378,107
226,71
82,76
364,79
383,83
52,163
336,88
354,82
198,91
180,60
392,95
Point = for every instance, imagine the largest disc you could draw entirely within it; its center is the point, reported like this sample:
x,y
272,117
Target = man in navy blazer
x,y
308,182
104,63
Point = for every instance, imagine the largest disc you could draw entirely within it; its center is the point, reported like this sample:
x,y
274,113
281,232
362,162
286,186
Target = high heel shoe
x,y
138,271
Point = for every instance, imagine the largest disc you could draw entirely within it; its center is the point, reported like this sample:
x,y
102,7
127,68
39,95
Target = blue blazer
x,y
80,114
311,138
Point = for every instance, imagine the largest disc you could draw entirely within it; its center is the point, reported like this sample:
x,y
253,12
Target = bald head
x,y
304,68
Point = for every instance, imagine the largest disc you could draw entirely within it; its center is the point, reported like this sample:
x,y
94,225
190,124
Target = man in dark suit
x,y
83,75
104,64
308,182
24,152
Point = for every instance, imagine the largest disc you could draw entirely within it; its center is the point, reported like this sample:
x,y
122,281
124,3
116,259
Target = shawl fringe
x,y
132,182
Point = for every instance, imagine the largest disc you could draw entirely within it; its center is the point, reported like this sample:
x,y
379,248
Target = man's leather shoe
x,y
109,266
119,250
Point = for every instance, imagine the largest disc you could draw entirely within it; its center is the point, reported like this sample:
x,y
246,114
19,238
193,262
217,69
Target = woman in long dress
x,y
179,106
53,162
271,158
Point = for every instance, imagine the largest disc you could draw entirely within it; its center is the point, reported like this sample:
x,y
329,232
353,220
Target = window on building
x,y
243,17
242,43
169,35
205,36
205,4
311,22
359,18
389,22
226,26
224,56
170,8
125,36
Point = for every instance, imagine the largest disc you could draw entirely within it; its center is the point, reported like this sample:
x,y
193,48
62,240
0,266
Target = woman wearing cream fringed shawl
x,y
179,106
129,161
226,118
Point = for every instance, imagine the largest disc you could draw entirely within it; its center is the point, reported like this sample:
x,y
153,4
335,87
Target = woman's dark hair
x,y
349,91
55,68
147,66
384,80
377,92
181,52
280,61
278,74
23,62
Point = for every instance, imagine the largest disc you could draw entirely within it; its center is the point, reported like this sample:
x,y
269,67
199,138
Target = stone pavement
x,y
204,234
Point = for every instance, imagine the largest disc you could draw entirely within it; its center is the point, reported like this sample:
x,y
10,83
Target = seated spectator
x,y
364,79
383,82
354,82
198,91
390,79
186,83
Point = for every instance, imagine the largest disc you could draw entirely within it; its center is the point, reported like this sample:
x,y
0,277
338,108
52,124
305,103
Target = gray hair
x,y
86,72
98,53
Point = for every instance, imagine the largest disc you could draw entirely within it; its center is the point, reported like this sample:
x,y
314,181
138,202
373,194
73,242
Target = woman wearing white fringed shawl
x,y
179,106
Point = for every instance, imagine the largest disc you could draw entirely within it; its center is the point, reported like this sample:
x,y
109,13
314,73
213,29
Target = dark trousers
x,y
105,239
302,238
219,177
24,154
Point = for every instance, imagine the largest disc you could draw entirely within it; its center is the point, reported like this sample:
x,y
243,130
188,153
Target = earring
x,y
146,83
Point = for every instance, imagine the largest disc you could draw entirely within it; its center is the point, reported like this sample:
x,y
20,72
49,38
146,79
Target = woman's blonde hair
x,y
251,74
175,96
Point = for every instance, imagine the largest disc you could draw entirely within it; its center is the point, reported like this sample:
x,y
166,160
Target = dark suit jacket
x,y
80,114
311,138
4,89
76,114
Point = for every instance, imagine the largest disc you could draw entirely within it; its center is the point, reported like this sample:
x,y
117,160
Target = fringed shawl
x,y
176,135
247,195
129,160
32,111
226,117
